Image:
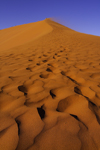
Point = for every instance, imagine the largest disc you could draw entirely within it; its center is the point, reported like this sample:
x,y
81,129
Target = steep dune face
x,y
23,34
49,88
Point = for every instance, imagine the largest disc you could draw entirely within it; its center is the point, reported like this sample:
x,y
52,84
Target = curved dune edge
x,y
50,90
19,35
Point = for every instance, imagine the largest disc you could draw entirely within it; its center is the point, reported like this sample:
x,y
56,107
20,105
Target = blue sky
x,y
80,15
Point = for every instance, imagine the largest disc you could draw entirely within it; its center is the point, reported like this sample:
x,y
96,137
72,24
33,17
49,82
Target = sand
x,y
49,88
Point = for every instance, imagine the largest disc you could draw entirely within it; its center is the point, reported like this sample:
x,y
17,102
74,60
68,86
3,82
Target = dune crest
x,y
49,88
19,35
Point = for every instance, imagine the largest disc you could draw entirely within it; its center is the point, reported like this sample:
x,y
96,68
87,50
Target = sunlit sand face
x,y
49,88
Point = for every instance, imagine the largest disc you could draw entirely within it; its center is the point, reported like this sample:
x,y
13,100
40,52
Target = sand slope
x,y
19,35
49,88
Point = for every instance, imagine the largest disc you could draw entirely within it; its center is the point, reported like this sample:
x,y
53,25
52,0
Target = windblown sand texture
x,y
49,88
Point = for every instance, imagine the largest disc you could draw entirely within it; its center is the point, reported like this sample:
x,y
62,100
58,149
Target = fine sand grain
x,y
49,88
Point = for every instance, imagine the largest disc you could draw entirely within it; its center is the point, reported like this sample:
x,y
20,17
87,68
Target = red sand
x,y
49,88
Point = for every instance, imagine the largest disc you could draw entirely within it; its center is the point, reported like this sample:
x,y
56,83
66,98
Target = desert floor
x,y
49,88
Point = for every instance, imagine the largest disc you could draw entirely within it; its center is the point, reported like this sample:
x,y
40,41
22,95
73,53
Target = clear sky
x,y
80,15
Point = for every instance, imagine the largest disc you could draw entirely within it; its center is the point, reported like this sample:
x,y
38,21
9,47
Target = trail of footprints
x,y
49,88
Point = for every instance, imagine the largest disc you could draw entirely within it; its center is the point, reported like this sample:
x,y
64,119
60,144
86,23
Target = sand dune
x,y
49,88
23,34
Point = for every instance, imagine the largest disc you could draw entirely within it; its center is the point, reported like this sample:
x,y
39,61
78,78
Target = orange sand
x,y
49,88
